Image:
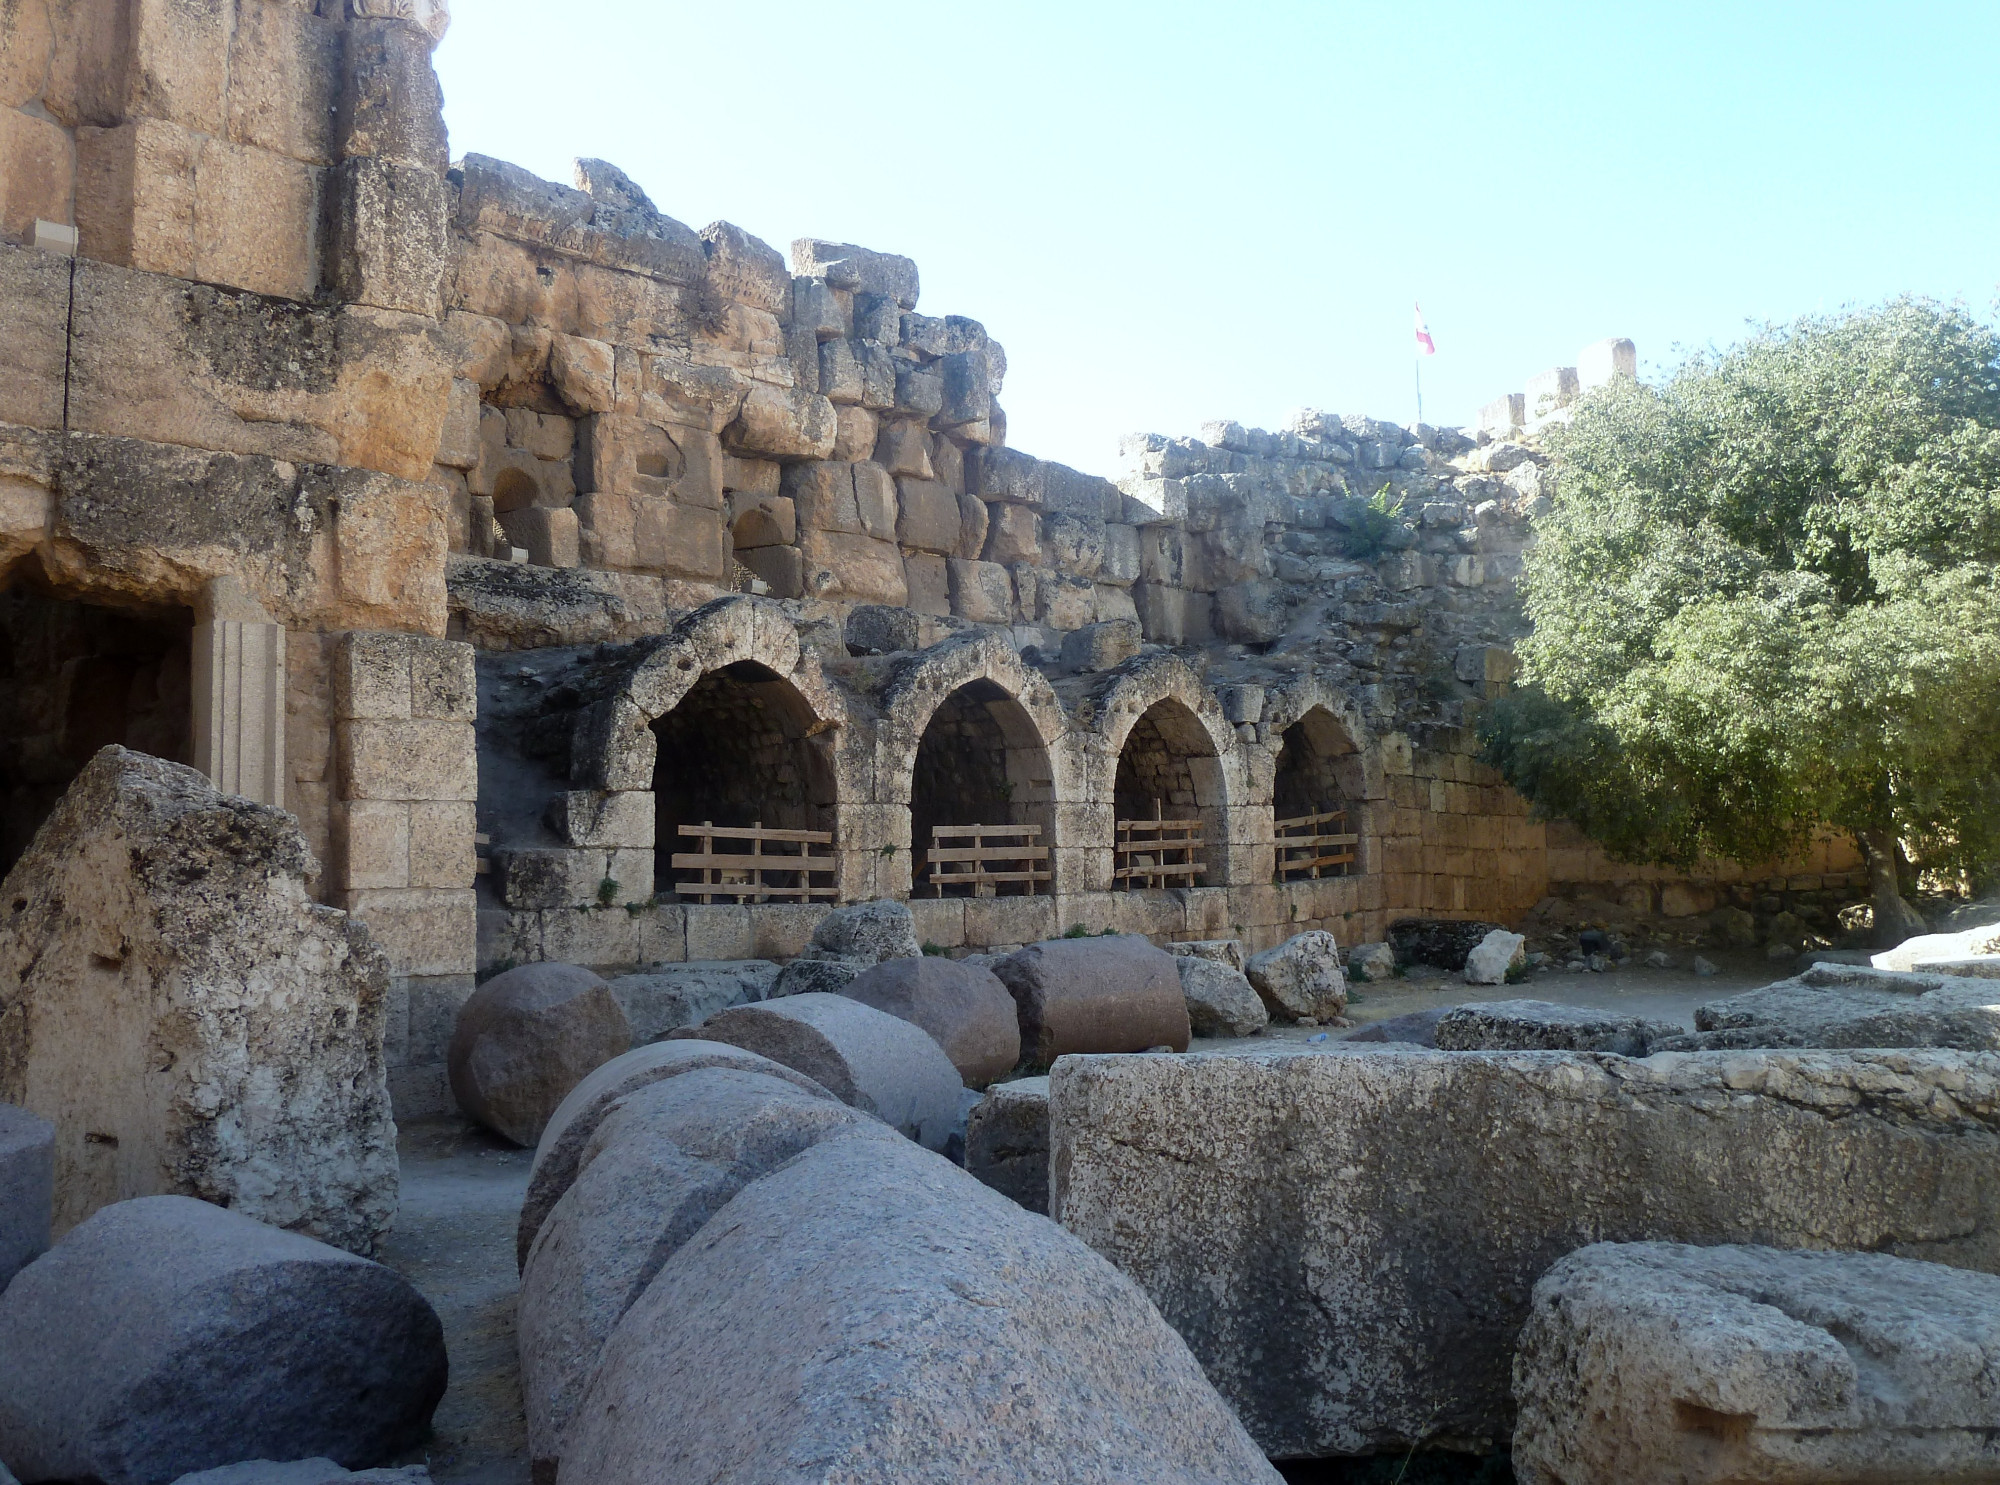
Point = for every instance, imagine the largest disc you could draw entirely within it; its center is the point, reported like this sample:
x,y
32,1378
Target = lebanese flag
x,y
1425,345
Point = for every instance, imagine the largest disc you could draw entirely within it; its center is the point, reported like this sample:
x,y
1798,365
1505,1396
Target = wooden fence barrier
x,y
1018,857
1305,851
1157,852
740,875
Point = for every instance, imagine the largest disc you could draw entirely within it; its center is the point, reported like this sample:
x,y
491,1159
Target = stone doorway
x,y
75,677
981,762
1168,770
741,748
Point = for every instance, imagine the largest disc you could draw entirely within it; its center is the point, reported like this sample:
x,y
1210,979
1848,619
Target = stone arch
x,y
1163,737
970,729
1323,758
730,719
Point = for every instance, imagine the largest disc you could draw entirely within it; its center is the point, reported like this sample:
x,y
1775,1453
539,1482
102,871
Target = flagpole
x,y
1418,361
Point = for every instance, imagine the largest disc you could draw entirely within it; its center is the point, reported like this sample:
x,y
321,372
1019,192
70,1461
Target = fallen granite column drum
x,y
166,1335
1348,1240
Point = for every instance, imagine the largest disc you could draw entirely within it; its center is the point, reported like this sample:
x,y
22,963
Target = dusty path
x,y
454,1240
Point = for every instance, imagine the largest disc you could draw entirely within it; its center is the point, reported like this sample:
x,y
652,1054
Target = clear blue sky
x,y
1170,213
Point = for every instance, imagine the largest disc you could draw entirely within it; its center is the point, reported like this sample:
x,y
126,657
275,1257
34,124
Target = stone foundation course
x,y
1348,1241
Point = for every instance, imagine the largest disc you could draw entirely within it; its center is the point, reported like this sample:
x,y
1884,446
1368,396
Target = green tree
x,y
1765,603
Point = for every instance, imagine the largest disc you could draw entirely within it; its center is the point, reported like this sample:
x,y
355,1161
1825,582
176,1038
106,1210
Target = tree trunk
x,y
1895,919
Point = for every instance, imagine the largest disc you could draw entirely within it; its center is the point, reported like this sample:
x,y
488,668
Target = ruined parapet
x,y
1550,394
190,1021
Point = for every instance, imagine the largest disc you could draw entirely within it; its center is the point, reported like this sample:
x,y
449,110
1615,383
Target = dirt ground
x,y
462,1189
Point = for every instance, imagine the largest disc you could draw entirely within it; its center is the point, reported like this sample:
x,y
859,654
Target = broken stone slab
x,y
185,1014
1417,1028
966,1010
1301,977
1929,950
1733,1364
1227,951
818,975
1349,1248
1443,942
1370,962
525,1038
667,997
1495,957
866,1058
27,1188
1839,1005
1007,1142
170,1336
664,1161
1115,994
910,1324
1220,1000
870,931
576,1118
1542,1026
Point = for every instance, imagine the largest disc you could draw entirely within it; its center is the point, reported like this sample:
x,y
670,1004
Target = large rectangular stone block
x,y
1348,1240
424,931
408,760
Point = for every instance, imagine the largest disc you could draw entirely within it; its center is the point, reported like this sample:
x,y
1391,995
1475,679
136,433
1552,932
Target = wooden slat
x,y
1161,838
989,853
712,865
758,832
971,866
1304,852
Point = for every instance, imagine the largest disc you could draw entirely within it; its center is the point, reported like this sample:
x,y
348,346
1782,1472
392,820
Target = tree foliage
x,y
1765,600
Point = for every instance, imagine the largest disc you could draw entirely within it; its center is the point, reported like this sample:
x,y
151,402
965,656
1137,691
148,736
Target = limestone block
x,y
406,760
875,501
423,931
443,686
170,1336
980,591
1162,612
551,537
904,448
595,935
966,393
388,241
135,197
1009,920
1227,951
1929,950
929,586
1301,977
1606,360
1220,1000
746,268
1063,602
1538,1025
371,842
963,1007
857,568
662,933
1077,1379
658,1167
928,518
390,106
822,494
37,171
840,372
27,1188
1707,1364
525,1039
1374,1175
855,433
599,817
1012,534
239,691
1099,647
441,844
1251,612
1494,957
783,423
842,265
186,1016
866,1058
781,569
1007,1142
550,876
1835,1005
718,931
919,391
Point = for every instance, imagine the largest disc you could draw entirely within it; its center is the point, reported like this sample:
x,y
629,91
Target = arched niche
x,y
740,747
1168,768
980,761
1318,772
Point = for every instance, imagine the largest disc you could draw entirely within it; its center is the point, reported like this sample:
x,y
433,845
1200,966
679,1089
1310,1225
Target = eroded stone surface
x,y
1301,977
1543,1026
1838,1005
175,1003
1007,1141
169,1336
910,1325
1348,1239
1220,1000
1748,1364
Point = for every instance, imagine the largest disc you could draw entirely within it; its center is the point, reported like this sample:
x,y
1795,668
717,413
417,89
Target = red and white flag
x,y
1425,345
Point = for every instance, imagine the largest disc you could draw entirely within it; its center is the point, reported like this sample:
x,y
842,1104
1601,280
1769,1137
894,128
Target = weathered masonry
x,y
594,588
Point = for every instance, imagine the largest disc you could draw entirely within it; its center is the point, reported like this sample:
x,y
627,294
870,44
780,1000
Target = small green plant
x,y
1077,930
1107,933
936,951
607,891
1517,974
1372,524
889,850
640,905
